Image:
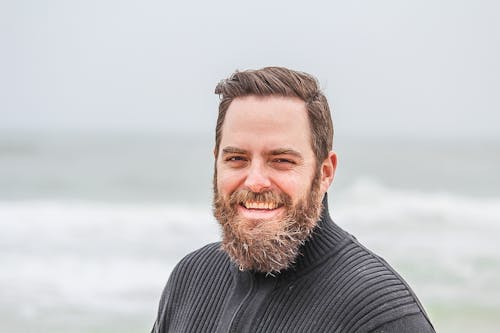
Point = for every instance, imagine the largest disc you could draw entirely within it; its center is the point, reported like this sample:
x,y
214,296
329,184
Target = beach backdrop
x,y
107,114
92,224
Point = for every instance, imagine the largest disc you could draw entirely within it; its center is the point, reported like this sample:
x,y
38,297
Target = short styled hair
x,y
284,82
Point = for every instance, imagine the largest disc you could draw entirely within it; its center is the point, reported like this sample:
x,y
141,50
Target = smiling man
x,y
283,265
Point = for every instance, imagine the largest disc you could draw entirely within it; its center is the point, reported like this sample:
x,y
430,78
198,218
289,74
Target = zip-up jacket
x,y
336,285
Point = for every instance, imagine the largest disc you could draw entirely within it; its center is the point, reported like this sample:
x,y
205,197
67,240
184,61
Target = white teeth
x,y
260,205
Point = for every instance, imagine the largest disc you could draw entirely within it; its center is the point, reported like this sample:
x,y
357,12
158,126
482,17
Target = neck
x,y
325,238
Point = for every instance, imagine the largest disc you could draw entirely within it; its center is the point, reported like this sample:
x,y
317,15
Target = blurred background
x,y
106,131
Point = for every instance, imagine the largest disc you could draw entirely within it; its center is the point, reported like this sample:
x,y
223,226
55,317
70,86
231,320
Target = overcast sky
x,y
422,68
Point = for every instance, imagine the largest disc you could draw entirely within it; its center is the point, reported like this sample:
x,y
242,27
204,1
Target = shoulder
x,y
210,257
366,267
373,292
193,271
415,323
191,283
208,252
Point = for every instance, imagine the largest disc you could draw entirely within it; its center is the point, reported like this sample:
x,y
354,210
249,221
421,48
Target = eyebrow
x,y
233,150
286,151
274,152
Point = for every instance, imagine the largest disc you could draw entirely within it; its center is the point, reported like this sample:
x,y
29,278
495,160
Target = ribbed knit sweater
x,y
336,285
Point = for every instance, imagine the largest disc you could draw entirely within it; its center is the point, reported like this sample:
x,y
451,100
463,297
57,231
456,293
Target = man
x,y
283,265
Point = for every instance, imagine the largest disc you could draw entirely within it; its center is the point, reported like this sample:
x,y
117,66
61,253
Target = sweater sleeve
x,y
161,309
415,323
166,300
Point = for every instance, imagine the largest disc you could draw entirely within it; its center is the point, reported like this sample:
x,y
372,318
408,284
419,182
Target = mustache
x,y
242,196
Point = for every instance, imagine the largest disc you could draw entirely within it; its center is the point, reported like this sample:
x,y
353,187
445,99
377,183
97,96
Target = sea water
x,y
91,224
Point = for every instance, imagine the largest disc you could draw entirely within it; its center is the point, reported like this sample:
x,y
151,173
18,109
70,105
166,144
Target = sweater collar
x,y
323,242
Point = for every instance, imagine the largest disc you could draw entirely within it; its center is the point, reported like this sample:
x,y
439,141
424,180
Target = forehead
x,y
272,120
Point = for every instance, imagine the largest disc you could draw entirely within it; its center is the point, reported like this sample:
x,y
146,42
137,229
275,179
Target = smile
x,y
260,211
260,205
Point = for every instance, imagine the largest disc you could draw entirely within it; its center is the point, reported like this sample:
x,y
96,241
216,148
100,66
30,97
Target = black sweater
x,y
336,285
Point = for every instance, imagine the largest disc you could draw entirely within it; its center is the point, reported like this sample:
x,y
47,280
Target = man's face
x,y
267,186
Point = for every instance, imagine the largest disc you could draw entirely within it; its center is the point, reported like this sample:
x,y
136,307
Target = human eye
x,y
235,161
234,158
283,163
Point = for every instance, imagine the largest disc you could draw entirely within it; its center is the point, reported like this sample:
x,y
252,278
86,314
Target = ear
x,y
328,171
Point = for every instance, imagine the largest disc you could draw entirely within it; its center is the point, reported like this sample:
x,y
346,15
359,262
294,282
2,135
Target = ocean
x,y
92,223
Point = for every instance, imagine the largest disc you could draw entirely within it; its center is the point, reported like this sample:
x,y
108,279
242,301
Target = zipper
x,y
238,313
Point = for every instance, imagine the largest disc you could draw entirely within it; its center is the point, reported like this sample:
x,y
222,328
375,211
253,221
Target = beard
x,y
267,246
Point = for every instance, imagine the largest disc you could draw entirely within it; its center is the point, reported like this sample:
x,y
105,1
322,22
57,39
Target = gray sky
x,y
390,68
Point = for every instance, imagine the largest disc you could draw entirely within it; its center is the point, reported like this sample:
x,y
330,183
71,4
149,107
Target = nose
x,y
257,180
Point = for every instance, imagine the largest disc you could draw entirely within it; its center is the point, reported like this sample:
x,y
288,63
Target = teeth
x,y
260,205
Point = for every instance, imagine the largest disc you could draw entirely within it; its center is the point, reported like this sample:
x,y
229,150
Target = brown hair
x,y
280,81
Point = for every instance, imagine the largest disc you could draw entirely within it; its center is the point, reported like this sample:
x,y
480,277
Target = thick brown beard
x,y
267,246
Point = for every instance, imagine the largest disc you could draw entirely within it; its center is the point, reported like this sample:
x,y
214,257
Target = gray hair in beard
x,y
267,246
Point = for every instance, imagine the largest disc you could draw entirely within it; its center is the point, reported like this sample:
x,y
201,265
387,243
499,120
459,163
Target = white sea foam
x,y
93,257
447,245
98,258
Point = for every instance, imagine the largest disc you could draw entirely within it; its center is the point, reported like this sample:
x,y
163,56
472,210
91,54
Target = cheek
x,y
289,185
228,181
296,185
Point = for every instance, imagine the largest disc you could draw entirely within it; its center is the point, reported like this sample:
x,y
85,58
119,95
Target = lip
x,y
259,214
